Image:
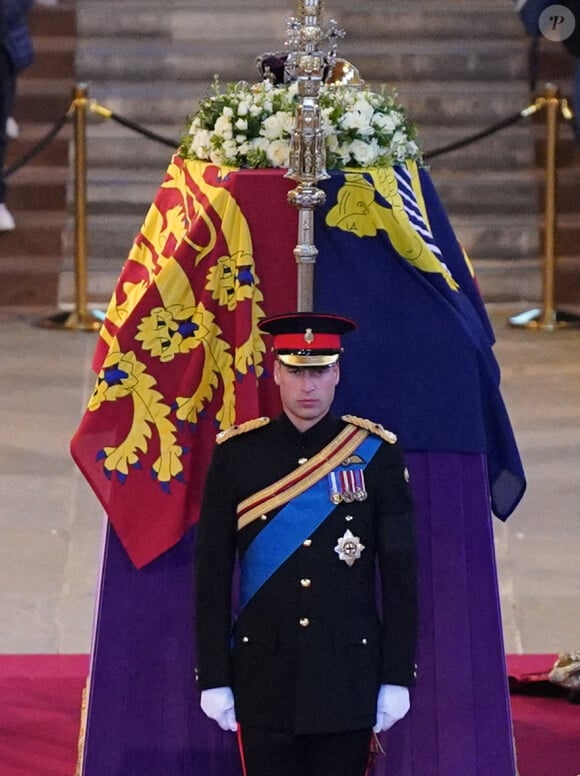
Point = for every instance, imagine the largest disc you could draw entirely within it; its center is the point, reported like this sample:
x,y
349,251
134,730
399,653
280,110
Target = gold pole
x,y
548,314
547,318
81,318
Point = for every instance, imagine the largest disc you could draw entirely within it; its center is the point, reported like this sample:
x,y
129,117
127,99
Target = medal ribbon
x,y
290,486
285,533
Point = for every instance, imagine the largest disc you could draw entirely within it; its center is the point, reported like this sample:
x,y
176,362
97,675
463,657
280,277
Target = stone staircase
x,y
31,256
457,73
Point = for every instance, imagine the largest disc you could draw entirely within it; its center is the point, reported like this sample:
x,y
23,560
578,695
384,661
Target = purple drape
x,y
144,717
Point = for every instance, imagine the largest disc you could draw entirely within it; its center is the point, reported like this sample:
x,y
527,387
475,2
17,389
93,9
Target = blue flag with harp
x,y
386,248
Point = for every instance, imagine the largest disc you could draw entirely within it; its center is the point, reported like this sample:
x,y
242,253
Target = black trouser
x,y
6,105
275,753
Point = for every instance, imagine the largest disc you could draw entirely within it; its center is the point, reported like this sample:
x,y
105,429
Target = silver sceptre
x,y
306,64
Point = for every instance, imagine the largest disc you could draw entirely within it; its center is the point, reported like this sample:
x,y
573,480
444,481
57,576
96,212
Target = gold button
x,y
245,639
304,622
305,582
302,461
364,641
307,542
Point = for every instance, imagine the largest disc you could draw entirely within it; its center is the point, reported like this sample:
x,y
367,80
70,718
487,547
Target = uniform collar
x,y
319,434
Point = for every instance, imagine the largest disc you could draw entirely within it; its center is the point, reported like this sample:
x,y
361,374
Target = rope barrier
x,y
38,147
108,114
547,318
507,122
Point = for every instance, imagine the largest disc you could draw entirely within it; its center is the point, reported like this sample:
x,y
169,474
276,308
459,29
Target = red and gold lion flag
x,y
179,355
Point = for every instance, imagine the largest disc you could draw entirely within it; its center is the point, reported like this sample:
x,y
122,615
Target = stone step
x,y
458,60
56,20
180,21
500,281
110,144
568,233
56,152
29,283
42,100
38,235
428,20
487,191
237,21
39,188
505,237
510,148
54,54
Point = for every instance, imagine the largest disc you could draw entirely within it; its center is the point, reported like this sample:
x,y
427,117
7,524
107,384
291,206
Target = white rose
x,y
278,153
364,153
194,127
201,144
332,143
216,156
344,153
243,108
228,112
366,111
412,148
241,124
230,149
287,121
356,120
388,123
223,128
399,139
272,127
259,144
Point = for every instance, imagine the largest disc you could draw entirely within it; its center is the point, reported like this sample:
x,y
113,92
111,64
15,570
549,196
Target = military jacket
x,y
311,648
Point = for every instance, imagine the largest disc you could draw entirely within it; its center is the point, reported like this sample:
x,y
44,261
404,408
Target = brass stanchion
x,y
81,317
547,318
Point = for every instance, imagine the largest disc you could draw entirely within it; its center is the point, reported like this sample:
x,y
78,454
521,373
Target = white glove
x,y
392,705
218,704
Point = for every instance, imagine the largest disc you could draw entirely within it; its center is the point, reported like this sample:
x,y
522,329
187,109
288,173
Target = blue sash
x,y
294,523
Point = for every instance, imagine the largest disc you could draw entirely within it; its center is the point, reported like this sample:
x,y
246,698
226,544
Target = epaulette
x,y
374,428
241,428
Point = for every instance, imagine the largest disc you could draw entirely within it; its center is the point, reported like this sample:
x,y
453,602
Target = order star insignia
x,y
349,548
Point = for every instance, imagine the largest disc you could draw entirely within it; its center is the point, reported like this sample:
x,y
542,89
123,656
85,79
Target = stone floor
x,y
51,525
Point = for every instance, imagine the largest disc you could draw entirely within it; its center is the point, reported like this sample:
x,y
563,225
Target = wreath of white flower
x,y
250,125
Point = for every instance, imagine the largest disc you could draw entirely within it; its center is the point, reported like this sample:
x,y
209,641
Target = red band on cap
x,y
309,341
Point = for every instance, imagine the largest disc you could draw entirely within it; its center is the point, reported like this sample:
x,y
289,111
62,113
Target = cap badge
x,y
308,336
349,548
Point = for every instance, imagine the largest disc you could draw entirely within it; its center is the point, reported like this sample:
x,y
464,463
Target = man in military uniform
x,y
311,505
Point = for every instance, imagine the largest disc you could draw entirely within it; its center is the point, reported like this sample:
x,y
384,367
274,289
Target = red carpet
x,y
546,724
40,698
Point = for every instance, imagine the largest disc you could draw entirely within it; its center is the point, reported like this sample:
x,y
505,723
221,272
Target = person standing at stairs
x,y
16,54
